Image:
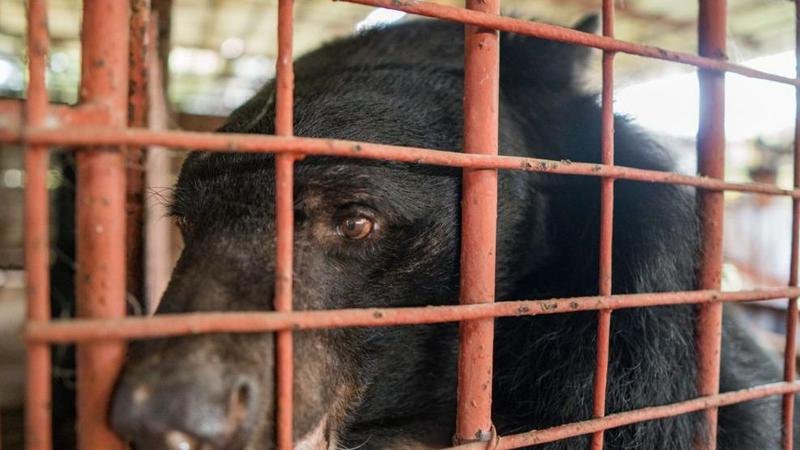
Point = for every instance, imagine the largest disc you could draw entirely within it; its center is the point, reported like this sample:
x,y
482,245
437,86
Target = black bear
x,y
372,233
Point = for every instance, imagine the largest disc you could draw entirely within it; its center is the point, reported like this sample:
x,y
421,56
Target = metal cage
x,y
100,130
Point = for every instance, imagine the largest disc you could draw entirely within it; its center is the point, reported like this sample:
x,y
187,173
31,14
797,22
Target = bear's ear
x,y
590,23
529,61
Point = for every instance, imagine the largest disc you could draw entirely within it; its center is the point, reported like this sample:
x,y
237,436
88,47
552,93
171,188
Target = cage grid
x,y
100,128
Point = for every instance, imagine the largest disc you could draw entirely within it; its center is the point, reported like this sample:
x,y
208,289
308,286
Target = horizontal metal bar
x,y
83,114
568,35
230,142
83,330
11,115
569,430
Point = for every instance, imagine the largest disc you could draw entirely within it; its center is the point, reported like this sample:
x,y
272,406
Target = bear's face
x,y
366,234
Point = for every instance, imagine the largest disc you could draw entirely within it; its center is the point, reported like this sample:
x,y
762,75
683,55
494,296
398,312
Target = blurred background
x,y
217,53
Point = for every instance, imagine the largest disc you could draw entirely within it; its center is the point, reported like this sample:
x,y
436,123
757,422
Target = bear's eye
x,y
355,227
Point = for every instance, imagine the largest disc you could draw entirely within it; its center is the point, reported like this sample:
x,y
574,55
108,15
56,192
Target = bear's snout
x,y
188,394
202,408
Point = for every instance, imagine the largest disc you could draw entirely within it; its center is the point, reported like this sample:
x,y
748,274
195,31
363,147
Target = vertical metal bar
x,y
712,21
790,355
478,227
606,228
38,419
134,156
284,219
158,245
101,216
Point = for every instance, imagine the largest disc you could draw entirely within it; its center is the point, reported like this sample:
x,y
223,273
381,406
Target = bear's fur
x,y
394,387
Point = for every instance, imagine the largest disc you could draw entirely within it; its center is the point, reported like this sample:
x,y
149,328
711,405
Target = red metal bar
x,y
301,146
284,206
101,216
12,117
38,395
630,417
606,229
711,162
284,163
83,330
139,57
12,114
478,227
284,219
135,156
561,34
790,352
284,91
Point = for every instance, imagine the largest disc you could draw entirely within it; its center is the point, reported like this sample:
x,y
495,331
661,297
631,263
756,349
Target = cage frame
x,y
99,128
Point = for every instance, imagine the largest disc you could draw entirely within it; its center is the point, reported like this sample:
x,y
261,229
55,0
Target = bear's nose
x,y
198,410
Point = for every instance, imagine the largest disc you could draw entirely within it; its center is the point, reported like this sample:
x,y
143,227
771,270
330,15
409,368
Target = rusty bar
x,y
284,91
635,416
606,230
711,163
135,156
82,115
101,216
38,390
12,118
790,348
284,207
478,227
12,114
562,34
284,219
284,166
82,330
139,57
301,146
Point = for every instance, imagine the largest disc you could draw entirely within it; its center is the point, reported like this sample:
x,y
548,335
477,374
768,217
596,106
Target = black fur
x,y
403,85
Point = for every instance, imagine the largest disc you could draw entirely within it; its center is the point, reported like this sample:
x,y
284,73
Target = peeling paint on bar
x,y
81,330
305,147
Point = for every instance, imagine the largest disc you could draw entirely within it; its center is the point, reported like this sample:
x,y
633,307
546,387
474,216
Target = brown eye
x,y
356,227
